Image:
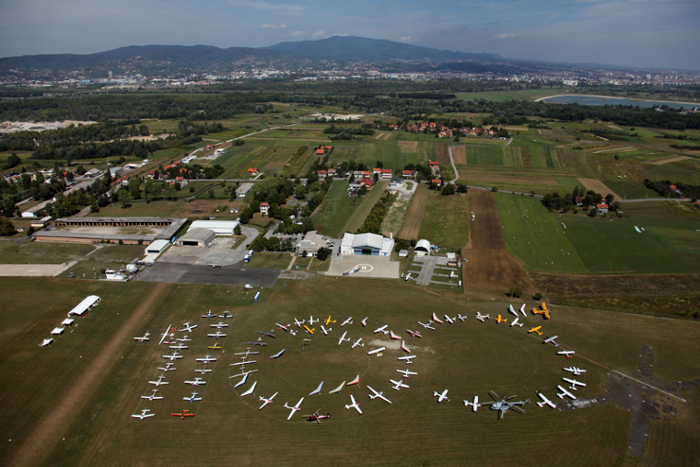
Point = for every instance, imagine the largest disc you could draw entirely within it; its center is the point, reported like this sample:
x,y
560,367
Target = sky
x,y
635,33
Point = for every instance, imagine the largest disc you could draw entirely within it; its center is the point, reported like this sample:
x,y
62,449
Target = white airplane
x,y
354,405
153,396
282,326
202,371
243,379
317,390
354,381
46,342
398,384
382,329
226,315
576,371
167,367
441,396
217,334
564,392
159,381
299,323
196,382
406,373
278,354
179,347
378,394
435,319
266,401
192,398
413,333
568,353
475,403
343,338
426,326
293,409
516,322
408,277
174,356
184,338
377,351
293,332
461,318
220,325
325,331
450,320
481,317
243,363
404,348
165,334
143,338
522,310
209,315
551,340
364,322
545,401
394,336
187,327
312,321
408,359
358,343
347,321
574,383
206,359
250,391
338,389
144,414
512,311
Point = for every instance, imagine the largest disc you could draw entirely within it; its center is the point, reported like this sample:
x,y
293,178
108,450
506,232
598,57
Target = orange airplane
x,y
185,413
501,320
537,330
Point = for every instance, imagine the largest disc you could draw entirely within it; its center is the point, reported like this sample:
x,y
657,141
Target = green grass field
x,y
270,260
445,222
139,208
41,253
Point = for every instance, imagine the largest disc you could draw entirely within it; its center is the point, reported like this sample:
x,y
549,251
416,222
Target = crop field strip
x,y
413,219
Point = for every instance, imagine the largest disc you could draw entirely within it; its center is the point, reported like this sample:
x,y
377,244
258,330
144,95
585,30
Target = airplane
x,y
153,396
461,318
293,409
159,381
246,353
196,382
220,325
382,329
283,327
408,359
574,383
317,390
179,347
165,334
312,320
435,319
187,327
266,401
481,317
347,321
537,330
209,315
408,277
175,355
216,346
143,338
398,384
338,389
545,401
293,332
250,391
267,334
192,398
278,354
206,359
259,342
378,394
512,311
544,311
522,310
551,340
364,322
46,342
243,363
328,321
475,403
202,371
450,320
426,326
226,315
144,414
354,405
568,353
413,333
184,338
564,392
516,322
378,351
500,320
343,338
316,417
354,381
244,379
298,323
310,331
576,371
183,414
504,404
325,331
358,343
167,367
393,336
441,396
406,373
217,334
404,348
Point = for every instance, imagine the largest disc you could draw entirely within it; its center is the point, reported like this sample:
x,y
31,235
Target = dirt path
x,y
53,425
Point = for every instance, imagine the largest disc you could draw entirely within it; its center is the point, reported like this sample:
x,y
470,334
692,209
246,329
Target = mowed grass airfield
x,y
468,358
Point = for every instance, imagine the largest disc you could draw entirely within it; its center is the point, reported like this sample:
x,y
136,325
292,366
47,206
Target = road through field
x,y
35,449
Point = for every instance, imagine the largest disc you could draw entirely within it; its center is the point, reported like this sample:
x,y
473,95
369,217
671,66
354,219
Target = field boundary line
x,y
650,386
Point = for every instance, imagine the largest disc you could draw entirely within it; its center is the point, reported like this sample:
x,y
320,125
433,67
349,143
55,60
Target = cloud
x,y
407,39
273,26
505,35
319,33
299,33
264,5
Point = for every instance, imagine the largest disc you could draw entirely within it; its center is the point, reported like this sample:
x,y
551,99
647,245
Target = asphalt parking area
x,y
370,266
237,275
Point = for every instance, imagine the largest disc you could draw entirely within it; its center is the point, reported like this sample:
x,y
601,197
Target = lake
x,y
602,100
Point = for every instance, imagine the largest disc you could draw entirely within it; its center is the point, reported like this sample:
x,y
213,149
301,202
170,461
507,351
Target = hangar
x,y
366,244
422,247
202,238
157,247
220,228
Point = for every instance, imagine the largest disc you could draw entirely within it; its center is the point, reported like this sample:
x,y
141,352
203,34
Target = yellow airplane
x,y
214,347
328,321
310,331
544,311
501,320
537,330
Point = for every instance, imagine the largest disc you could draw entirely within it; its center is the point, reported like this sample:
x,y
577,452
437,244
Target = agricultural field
x,y
41,253
140,208
445,222
410,229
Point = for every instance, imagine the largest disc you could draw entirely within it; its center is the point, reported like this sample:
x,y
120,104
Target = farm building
x,y
366,244
220,228
85,305
422,247
197,237
157,247
244,189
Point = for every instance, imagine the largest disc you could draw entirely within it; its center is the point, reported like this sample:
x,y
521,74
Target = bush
x,y
515,292
537,296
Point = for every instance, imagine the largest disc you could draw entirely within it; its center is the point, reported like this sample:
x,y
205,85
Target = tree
x,y
304,254
6,227
323,253
515,292
237,230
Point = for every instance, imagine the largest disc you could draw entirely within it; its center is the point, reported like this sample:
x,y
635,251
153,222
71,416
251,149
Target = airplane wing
x,y
317,390
250,391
